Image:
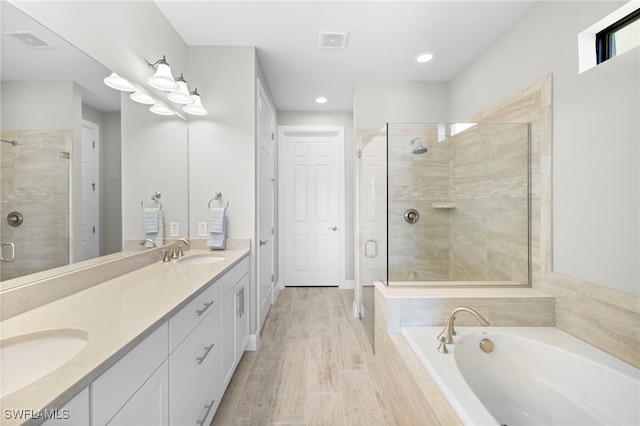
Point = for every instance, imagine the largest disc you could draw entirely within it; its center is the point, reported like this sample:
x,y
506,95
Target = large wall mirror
x,y
77,158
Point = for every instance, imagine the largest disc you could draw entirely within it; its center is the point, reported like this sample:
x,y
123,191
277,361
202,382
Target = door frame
x,y
311,130
261,94
95,128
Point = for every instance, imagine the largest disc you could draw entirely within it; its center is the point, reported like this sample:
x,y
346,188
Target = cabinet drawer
x,y
189,363
114,387
242,268
227,282
205,401
182,323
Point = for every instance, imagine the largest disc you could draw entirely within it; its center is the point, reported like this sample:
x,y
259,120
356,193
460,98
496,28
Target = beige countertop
x,y
117,315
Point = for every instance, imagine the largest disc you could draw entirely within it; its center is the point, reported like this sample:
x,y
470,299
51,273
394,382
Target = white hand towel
x,y
151,220
159,237
217,228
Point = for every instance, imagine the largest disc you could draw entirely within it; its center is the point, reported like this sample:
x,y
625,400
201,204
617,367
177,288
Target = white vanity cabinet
x,y
235,320
177,374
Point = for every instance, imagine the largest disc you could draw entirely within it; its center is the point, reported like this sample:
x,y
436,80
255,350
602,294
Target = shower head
x,y
419,149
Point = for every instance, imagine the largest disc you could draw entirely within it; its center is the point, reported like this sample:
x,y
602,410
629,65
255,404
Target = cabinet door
x,y
242,322
74,413
150,404
228,317
114,387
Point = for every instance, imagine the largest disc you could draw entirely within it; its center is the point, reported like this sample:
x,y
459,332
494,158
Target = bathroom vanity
x,y
162,343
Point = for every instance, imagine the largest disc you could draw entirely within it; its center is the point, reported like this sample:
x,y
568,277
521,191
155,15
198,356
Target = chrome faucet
x,y
176,251
446,336
147,240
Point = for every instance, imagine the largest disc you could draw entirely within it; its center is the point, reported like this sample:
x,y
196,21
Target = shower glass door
x,y
34,211
372,223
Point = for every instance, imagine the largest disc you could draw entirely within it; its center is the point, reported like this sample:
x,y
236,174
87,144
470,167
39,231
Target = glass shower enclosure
x,y
34,180
442,205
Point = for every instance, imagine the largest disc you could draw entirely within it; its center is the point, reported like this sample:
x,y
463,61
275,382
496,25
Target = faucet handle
x,y
174,253
442,347
165,256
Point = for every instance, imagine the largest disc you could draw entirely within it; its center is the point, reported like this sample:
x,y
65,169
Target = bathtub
x,y
533,376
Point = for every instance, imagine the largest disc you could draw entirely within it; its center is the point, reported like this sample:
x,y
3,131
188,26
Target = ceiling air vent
x,y
330,40
30,39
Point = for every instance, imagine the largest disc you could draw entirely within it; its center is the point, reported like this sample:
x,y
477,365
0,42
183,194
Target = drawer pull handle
x,y
204,308
208,407
207,349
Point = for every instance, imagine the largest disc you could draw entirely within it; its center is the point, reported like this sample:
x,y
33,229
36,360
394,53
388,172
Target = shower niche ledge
x,y
447,205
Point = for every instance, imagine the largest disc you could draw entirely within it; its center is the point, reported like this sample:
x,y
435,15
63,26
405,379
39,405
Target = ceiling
x,y
384,38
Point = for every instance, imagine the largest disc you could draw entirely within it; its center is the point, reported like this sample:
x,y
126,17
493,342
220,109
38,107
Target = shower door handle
x,y
13,253
366,249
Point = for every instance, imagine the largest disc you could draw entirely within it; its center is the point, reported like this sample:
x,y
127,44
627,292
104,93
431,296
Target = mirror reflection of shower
x,y
420,149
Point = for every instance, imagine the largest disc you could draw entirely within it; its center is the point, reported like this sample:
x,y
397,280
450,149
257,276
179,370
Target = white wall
x,y
596,183
345,119
222,143
154,158
379,102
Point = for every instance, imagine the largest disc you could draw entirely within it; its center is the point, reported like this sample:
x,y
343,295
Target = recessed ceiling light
x,y
321,100
424,57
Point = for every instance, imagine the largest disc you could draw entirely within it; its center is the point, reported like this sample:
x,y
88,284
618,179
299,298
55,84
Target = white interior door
x,y
90,192
312,191
266,195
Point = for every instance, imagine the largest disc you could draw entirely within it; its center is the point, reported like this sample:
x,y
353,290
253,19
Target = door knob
x,y
335,228
263,242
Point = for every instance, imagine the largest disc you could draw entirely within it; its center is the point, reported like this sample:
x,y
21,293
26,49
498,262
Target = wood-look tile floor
x,y
313,367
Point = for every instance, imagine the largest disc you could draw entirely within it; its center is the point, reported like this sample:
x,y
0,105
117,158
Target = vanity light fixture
x,y
162,79
160,109
182,95
142,98
116,82
196,107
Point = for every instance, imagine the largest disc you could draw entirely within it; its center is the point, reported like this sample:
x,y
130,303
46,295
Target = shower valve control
x,y
411,216
14,219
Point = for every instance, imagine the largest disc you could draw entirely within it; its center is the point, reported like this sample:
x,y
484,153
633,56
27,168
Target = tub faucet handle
x,y
442,347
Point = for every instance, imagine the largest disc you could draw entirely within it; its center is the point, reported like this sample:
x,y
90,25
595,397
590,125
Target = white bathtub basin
x,y
27,358
200,259
534,376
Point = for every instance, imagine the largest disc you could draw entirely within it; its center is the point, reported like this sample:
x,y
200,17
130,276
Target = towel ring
x,y
226,207
155,197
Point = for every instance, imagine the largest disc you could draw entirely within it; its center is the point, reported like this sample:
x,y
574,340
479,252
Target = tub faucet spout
x,y
446,335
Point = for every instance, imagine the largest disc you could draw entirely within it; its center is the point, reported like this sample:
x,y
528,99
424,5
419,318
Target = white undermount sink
x,y
26,358
200,259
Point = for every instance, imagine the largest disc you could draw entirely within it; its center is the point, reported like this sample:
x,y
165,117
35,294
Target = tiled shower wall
x,y
35,182
471,192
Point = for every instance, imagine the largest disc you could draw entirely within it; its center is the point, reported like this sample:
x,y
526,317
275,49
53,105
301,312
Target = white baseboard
x,y
355,310
252,344
347,285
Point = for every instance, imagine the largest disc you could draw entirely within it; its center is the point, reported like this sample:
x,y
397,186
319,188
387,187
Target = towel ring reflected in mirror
x,y
155,197
218,196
